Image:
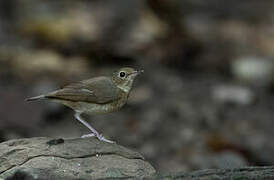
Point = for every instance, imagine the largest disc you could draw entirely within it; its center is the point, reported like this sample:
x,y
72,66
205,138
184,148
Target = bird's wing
x,y
98,90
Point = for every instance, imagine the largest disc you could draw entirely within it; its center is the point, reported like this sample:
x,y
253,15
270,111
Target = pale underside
x,y
91,108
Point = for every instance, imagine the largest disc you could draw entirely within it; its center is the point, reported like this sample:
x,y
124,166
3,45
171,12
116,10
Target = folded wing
x,y
98,90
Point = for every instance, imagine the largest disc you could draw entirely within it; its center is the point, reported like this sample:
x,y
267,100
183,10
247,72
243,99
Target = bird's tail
x,y
35,98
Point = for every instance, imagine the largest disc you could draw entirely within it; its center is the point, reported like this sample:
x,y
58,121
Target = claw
x,y
94,132
102,138
99,136
87,135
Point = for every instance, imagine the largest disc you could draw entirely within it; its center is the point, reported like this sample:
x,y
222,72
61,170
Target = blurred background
x,y
204,101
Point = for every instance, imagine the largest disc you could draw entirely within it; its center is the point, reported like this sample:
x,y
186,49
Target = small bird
x,y
97,95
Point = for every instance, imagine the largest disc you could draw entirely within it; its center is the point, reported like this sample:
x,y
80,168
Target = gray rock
x,y
233,94
45,158
253,69
244,173
228,159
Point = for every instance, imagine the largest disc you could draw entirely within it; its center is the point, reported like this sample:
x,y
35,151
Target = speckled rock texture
x,y
243,173
47,158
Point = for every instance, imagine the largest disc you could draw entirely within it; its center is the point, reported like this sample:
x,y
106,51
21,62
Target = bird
x,y
98,95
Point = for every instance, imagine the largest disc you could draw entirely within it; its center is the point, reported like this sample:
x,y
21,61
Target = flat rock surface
x,y
47,158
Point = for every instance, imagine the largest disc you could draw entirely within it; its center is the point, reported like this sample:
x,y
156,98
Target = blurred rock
x,y
31,63
76,66
265,39
171,165
102,28
228,160
233,94
247,173
57,23
39,61
255,70
144,33
149,148
222,160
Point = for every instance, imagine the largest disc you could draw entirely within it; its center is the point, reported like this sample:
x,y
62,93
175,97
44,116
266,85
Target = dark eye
x,y
122,74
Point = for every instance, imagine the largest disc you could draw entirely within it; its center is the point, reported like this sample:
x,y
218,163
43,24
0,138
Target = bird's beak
x,y
135,73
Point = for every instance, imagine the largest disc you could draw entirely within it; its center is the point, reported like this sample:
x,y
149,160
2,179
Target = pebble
x,y
253,69
233,94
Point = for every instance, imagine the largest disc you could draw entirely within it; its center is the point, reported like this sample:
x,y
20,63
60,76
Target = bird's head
x,y
124,77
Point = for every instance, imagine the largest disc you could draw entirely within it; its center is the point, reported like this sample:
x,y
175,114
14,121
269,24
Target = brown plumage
x,y
95,96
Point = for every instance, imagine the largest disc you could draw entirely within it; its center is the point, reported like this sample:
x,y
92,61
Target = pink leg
x,y
94,132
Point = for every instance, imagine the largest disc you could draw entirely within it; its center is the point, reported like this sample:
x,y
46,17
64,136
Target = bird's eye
x,y
122,74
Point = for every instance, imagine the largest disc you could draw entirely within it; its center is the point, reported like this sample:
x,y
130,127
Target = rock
x,y
247,173
36,62
56,25
229,159
46,158
233,94
44,60
256,70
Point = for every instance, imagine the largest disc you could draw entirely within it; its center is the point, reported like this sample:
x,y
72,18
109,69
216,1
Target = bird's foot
x,y
87,135
102,138
99,136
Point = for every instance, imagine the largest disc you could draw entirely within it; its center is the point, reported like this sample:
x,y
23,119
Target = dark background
x,y
204,101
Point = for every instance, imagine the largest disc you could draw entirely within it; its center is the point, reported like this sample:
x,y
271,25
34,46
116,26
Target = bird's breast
x,y
92,109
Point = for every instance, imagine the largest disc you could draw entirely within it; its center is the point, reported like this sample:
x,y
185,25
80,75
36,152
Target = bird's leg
x,y
94,132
